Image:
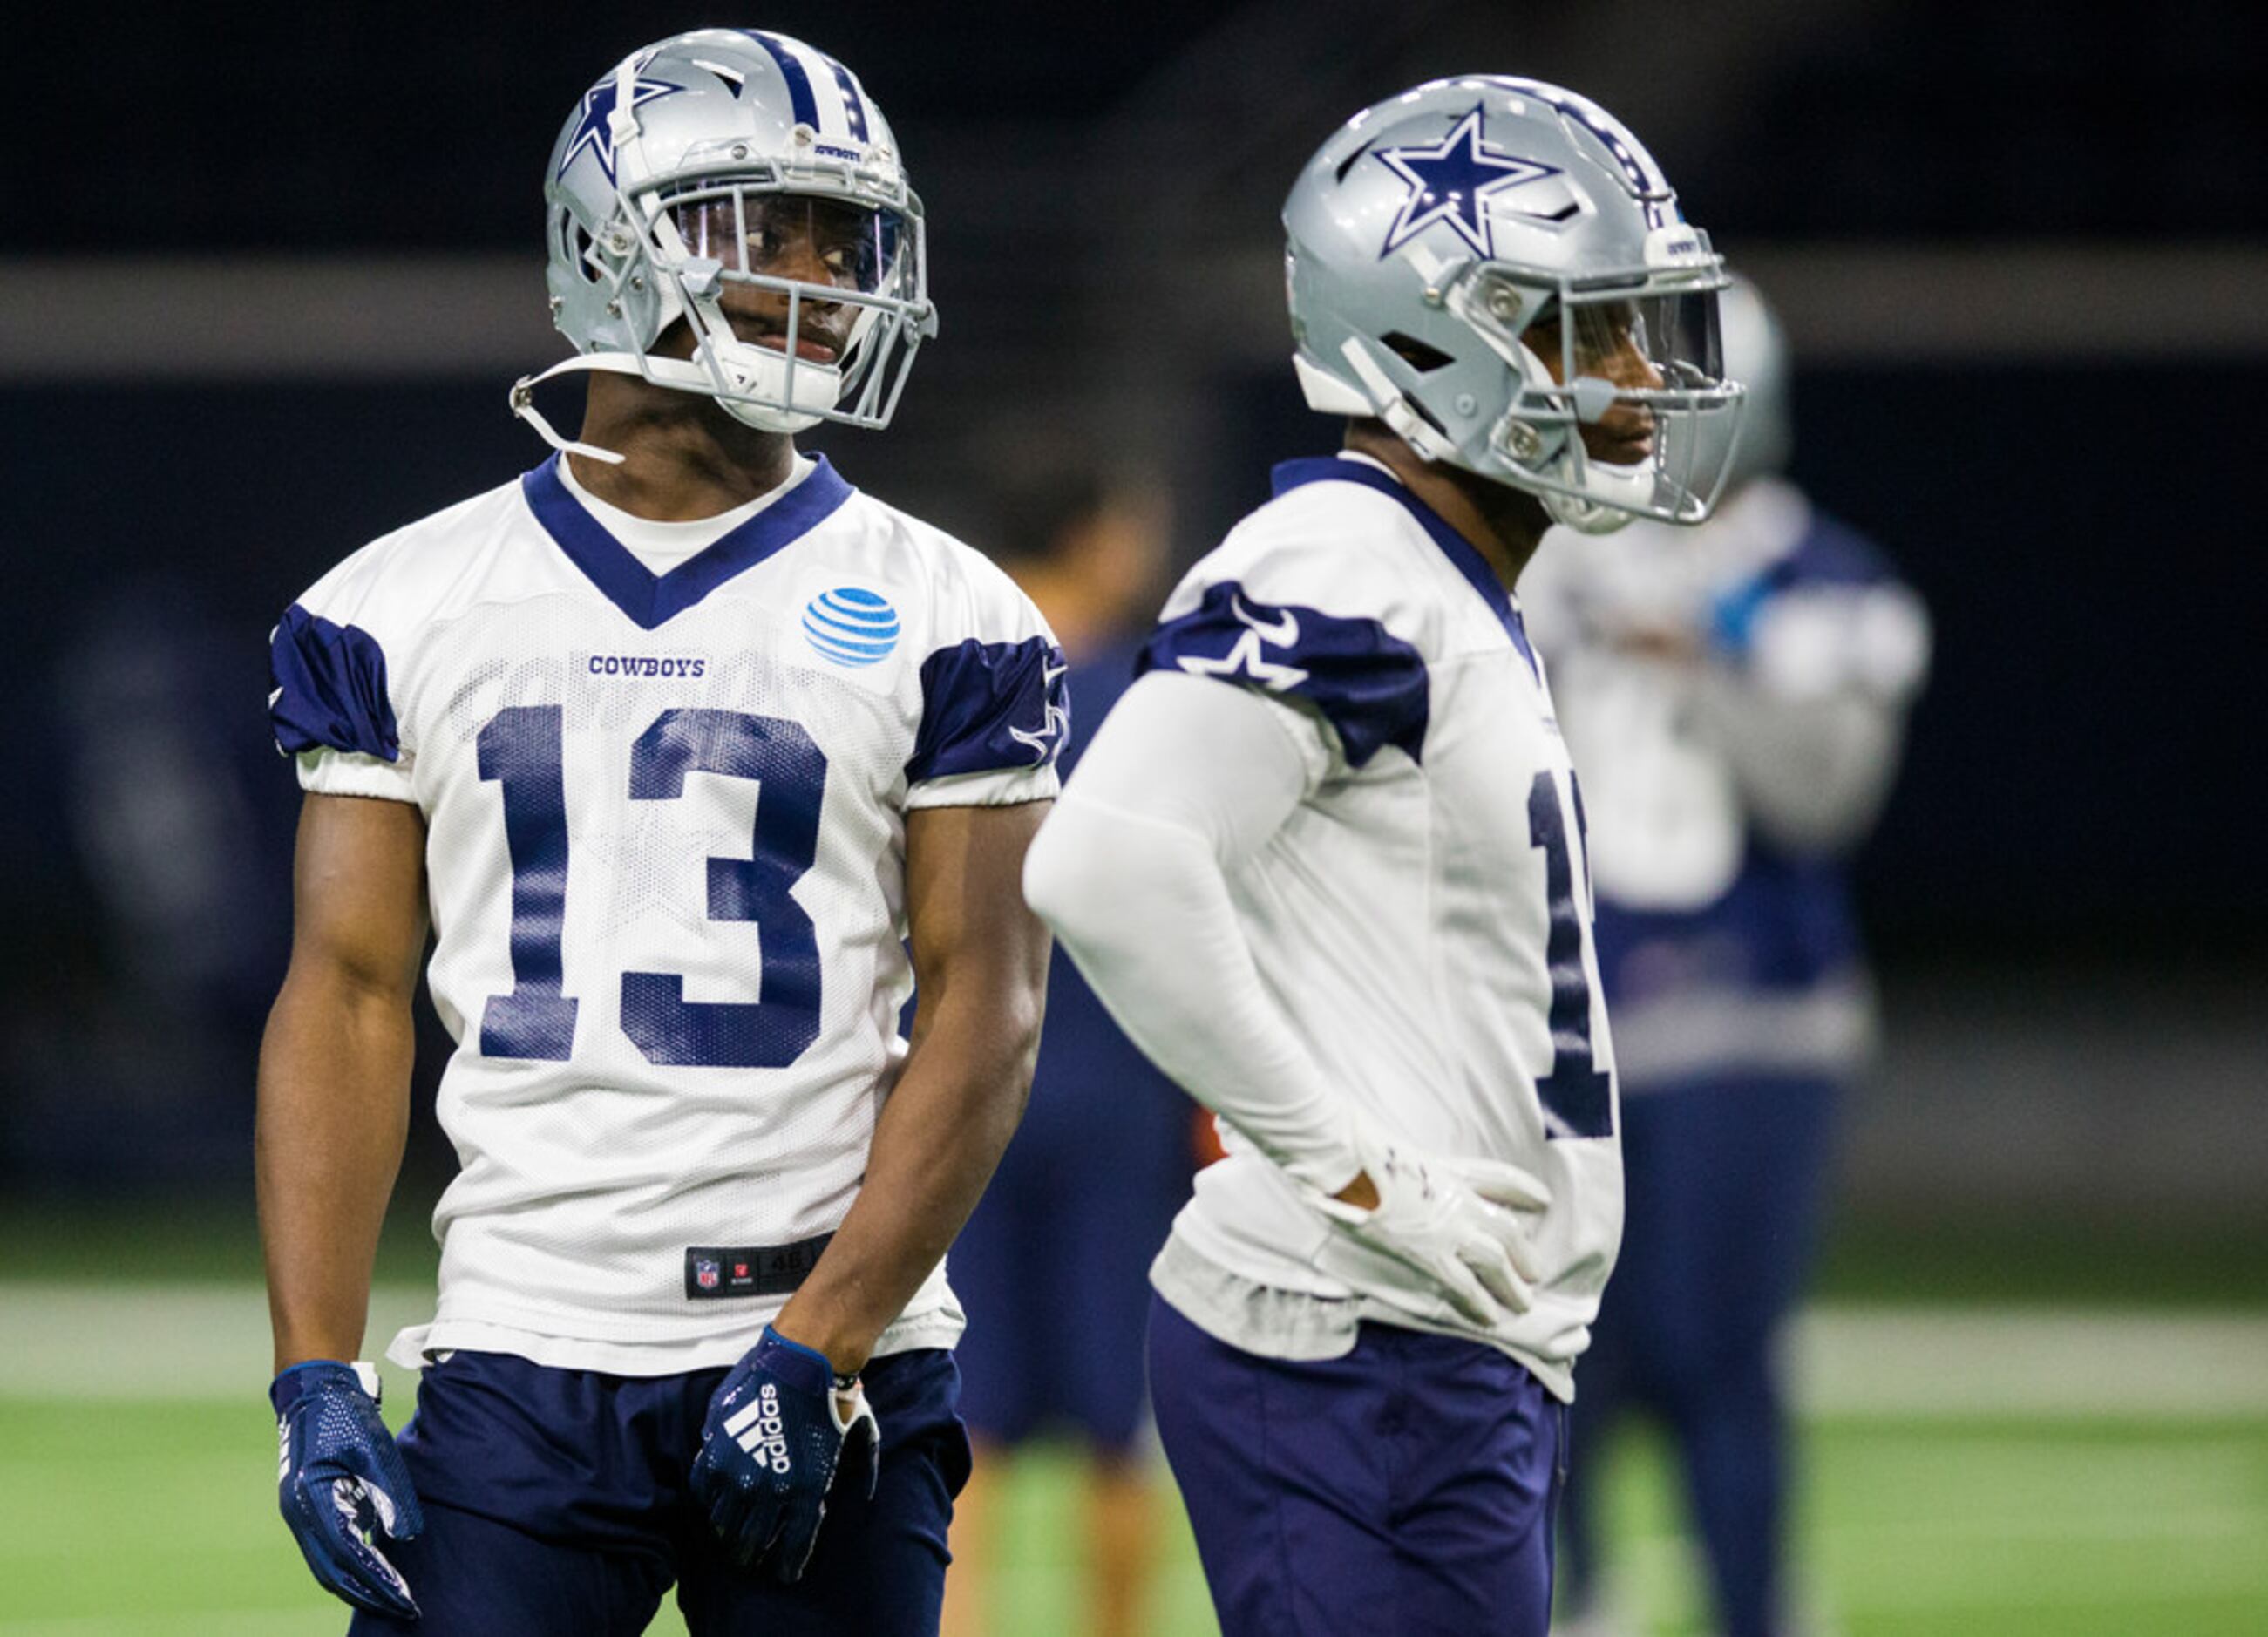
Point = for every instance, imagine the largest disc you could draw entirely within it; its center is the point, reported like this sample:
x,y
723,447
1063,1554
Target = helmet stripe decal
x,y
800,101
1635,163
854,106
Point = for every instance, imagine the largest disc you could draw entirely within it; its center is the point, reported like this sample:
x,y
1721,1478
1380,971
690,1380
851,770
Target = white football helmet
x,y
684,177
1494,266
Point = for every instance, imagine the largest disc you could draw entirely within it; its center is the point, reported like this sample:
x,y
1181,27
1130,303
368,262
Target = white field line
x,y
160,1341
152,1341
355,317
1942,1362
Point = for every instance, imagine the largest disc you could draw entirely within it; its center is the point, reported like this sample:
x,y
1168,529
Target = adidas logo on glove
x,y
759,1430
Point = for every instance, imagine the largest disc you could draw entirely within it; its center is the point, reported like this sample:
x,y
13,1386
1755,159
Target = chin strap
x,y
679,374
523,399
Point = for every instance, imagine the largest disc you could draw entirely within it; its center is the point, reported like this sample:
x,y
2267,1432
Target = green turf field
x,y
1986,1463
135,1492
132,1517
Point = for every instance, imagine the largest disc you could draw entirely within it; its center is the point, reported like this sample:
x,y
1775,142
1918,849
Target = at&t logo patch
x,y
851,626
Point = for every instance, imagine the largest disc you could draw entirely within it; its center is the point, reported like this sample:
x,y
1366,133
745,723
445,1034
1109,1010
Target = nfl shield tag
x,y
727,1272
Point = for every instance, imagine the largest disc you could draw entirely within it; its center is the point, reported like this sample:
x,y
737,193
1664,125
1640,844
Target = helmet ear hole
x,y
1418,356
576,246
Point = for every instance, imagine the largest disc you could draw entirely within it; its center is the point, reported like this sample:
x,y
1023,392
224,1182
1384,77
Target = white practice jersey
x,y
1423,920
1769,594
1735,694
665,853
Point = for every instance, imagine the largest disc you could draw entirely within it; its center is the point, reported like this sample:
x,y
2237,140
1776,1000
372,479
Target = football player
x,y
693,757
1735,696
1325,863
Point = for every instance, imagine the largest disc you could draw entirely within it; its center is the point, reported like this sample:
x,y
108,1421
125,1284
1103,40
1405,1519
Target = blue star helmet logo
x,y
594,131
1449,181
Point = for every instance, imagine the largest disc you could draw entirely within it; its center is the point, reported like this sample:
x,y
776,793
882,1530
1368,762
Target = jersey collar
x,y
649,598
1461,553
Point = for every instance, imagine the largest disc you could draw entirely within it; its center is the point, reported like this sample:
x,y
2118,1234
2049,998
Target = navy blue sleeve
x,y
330,684
1369,684
987,706
1833,553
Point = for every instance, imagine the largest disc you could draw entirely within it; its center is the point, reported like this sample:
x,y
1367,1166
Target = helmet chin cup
x,y
765,394
1584,517
765,418
1611,497
749,383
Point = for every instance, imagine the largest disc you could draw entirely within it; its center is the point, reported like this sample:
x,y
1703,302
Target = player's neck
x,y
683,458
1504,524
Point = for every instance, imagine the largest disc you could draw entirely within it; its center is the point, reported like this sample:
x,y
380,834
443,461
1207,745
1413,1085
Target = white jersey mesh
x,y
695,834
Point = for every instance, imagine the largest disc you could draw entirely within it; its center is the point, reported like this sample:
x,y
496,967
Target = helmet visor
x,y
838,243
1640,346
1634,377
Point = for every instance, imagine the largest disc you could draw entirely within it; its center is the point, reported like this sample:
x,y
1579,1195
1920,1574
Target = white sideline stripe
x,y
1939,1362
2060,301
274,318
152,1341
123,318
104,1341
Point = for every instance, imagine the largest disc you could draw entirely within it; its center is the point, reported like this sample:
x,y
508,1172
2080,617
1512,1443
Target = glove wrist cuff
x,y
296,1381
806,1369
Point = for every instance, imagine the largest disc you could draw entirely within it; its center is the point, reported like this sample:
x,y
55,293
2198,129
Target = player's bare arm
x,y
335,1067
979,972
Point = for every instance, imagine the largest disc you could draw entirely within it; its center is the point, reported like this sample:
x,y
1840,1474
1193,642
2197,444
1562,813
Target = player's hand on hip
x,y
778,1429
1456,1222
342,1483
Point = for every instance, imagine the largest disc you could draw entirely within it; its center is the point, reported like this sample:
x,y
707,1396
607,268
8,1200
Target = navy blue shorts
x,y
1408,1486
555,1506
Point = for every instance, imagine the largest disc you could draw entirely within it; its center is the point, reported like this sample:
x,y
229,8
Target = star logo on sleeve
x,y
1450,180
595,129
1248,656
1048,740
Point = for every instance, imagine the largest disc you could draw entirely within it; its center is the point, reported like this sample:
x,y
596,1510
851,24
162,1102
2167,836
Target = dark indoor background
x,y
267,274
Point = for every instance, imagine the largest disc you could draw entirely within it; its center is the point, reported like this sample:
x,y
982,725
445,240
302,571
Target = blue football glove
x,y
341,1482
770,1447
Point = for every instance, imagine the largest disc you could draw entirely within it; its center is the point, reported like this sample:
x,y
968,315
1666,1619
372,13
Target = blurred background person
x,y
1054,1266
1734,699
125,1044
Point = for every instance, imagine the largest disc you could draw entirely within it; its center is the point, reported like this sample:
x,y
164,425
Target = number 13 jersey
x,y
666,860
